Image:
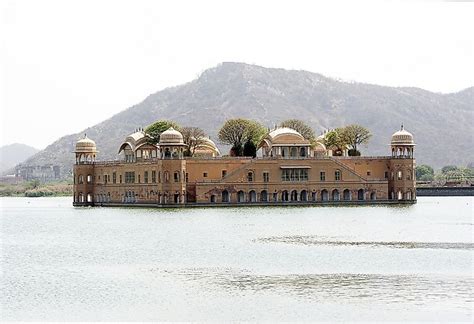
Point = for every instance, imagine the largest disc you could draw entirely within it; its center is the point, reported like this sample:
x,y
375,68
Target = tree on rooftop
x,y
158,127
301,127
334,141
192,137
354,135
237,132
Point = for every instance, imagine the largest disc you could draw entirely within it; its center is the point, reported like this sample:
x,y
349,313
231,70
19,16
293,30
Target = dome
x,y
284,131
171,137
85,145
135,140
402,137
319,147
207,147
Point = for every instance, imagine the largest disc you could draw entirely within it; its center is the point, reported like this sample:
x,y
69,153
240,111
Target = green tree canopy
x,y
354,135
333,140
301,127
250,149
158,127
192,137
237,132
424,173
448,168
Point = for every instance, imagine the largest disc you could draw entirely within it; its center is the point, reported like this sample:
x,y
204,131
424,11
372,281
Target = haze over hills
x,y
11,155
442,124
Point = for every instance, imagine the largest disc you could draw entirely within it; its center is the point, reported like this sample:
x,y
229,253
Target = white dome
x,y
171,137
319,147
402,137
85,145
283,131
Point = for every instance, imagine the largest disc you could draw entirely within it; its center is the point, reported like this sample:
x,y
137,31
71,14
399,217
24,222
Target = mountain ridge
x,y
12,154
271,95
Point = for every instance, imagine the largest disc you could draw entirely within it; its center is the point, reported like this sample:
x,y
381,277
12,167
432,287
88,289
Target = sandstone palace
x,y
288,170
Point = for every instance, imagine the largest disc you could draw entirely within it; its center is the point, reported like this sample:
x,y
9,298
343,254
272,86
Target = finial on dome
x,y
402,127
85,135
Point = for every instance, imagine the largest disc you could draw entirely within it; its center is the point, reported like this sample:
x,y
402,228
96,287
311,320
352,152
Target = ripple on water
x,y
314,240
340,287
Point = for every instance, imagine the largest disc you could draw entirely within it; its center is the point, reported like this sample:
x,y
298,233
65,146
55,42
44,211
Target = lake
x,y
361,263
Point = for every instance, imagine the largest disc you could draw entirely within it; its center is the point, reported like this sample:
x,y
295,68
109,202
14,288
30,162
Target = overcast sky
x,y
67,65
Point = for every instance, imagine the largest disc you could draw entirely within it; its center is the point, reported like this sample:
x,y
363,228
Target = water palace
x,y
288,170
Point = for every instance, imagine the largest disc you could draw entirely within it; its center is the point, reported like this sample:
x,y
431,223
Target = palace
x,y
287,170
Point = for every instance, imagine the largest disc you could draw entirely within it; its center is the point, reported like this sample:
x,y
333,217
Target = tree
x,y
255,132
449,168
250,149
424,173
301,127
158,127
192,137
334,141
354,135
237,132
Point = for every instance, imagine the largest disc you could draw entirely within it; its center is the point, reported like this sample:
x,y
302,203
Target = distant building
x,y
289,170
44,173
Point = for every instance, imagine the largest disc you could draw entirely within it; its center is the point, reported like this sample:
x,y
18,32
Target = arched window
x,y
80,179
360,194
324,195
293,152
373,195
250,176
399,175
408,195
213,198
167,152
304,195
264,196
225,196
294,195
335,195
314,196
252,196
89,178
346,194
337,175
302,152
240,196
284,195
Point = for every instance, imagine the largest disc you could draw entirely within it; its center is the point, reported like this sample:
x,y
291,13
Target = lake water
x,y
273,263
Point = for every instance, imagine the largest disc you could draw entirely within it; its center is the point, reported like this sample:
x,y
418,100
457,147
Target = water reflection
x,y
336,287
315,240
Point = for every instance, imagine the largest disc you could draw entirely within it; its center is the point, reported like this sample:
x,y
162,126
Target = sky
x,y
68,65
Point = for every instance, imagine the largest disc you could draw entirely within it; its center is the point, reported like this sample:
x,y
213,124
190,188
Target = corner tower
x,y
402,182
83,173
173,167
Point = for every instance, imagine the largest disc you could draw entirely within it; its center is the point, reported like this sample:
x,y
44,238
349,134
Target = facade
x,y
288,170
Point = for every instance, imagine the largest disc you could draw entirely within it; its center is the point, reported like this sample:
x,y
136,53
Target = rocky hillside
x,y
441,123
11,155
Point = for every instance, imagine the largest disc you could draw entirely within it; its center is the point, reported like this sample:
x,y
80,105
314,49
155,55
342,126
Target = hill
x,y
11,155
441,123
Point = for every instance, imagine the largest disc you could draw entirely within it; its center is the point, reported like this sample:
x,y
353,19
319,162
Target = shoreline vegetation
x,y
36,189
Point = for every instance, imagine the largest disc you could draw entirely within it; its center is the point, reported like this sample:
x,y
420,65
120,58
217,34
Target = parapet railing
x,y
218,158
